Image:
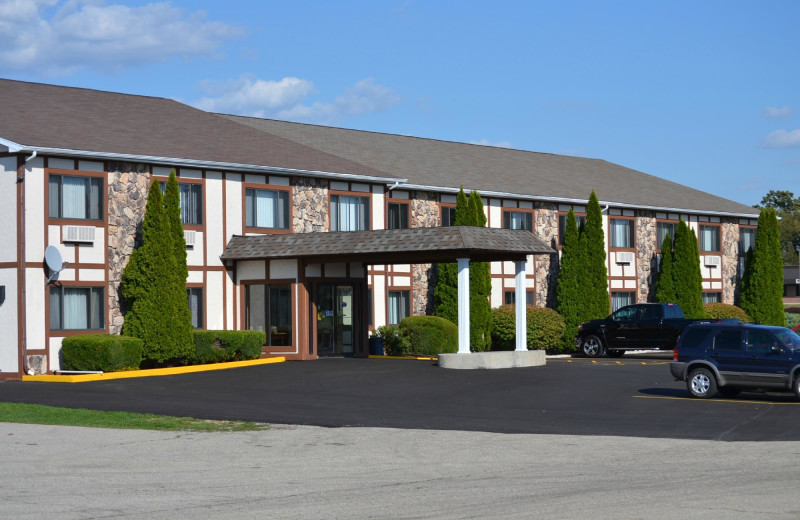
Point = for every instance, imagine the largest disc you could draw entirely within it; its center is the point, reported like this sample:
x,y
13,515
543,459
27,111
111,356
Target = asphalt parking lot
x,y
633,396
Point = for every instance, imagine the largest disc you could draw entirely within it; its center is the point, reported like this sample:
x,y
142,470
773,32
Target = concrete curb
x,y
493,360
83,378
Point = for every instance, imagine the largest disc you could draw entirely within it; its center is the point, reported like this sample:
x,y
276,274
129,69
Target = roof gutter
x,y
214,165
583,202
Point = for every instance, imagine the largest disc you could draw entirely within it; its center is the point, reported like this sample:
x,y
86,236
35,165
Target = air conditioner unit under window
x,y
189,237
712,261
625,257
78,234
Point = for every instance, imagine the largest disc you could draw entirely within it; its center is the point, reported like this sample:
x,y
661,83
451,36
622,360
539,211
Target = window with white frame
x,y
77,308
621,233
518,220
397,215
709,239
73,197
349,213
267,209
621,299
195,297
399,306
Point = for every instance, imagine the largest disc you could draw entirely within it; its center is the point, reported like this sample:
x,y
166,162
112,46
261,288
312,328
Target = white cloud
x,y
498,144
284,100
782,139
777,112
90,34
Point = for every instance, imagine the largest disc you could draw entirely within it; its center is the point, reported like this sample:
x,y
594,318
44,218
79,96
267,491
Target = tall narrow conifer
x,y
480,286
445,293
595,279
762,291
665,286
568,293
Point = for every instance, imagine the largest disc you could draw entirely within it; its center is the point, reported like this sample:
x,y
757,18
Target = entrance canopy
x,y
391,246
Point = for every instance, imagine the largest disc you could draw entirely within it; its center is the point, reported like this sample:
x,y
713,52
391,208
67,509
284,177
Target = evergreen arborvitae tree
x,y
182,319
665,286
763,290
569,299
595,279
152,290
445,293
480,286
686,272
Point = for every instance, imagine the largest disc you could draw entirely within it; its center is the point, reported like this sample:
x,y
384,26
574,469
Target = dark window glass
x,y
709,238
72,197
191,202
398,215
448,215
399,306
77,308
518,220
695,337
711,297
267,208
269,308
510,297
662,228
747,239
195,297
580,220
349,213
621,233
728,339
760,341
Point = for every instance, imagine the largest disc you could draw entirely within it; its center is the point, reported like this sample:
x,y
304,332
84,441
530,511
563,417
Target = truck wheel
x,y
701,383
592,346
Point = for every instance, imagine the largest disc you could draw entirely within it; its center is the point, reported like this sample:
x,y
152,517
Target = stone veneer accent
x,y
730,260
310,201
646,259
128,184
424,213
546,266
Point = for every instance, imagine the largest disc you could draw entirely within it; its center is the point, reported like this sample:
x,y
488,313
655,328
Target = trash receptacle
x,y
375,346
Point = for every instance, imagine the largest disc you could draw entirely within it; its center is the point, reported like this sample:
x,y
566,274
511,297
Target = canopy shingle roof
x,y
390,246
444,164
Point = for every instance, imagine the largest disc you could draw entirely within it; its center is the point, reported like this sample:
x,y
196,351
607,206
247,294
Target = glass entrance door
x,y
335,320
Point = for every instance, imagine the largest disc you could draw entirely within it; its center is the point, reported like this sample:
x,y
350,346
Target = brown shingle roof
x,y
429,162
48,116
387,246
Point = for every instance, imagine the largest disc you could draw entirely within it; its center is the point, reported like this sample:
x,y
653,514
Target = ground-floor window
x,y
269,308
712,297
621,299
77,308
399,306
195,297
510,297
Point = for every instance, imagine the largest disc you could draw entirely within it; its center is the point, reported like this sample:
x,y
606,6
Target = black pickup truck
x,y
643,326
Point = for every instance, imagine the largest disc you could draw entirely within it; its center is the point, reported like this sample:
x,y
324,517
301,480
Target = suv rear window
x,y
695,337
730,339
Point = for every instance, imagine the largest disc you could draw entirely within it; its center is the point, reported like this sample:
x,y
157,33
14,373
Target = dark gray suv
x,y
729,358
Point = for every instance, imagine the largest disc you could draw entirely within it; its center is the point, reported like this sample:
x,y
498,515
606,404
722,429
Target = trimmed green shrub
x,y
394,342
545,329
429,335
724,311
101,352
220,346
792,317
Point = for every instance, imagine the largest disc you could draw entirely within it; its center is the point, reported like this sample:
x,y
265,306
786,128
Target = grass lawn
x,y
38,414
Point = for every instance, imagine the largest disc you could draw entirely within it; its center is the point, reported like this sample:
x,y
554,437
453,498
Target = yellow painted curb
x,y
83,378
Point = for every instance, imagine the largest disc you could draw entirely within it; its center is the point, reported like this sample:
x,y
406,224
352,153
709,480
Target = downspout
x,y
21,273
393,186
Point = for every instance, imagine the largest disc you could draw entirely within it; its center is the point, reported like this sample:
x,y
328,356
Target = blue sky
x,y
704,93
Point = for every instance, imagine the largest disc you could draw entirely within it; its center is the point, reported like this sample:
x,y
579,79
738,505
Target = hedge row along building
x,y
313,234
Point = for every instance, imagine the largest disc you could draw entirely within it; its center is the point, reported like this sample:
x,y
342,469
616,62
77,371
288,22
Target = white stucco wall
x,y
213,297
34,210
214,235
8,209
9,339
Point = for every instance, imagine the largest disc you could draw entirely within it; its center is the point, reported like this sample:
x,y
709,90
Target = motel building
x,y
315,235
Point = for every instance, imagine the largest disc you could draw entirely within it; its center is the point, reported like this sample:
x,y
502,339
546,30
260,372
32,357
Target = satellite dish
x,y
54,262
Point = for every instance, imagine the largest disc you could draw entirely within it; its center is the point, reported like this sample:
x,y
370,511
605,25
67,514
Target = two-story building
x,y
306,232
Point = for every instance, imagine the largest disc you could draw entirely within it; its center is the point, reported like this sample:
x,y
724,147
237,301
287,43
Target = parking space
x,y
630,396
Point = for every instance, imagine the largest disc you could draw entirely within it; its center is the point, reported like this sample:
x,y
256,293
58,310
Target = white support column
x,y
463,306
520,303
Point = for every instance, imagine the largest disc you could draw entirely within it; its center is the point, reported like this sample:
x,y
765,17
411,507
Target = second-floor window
x,y
580,220
191,200
709,239
267,208
448,215
621,233
349,213
397,213
747,239
662,228
76,197
518,220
